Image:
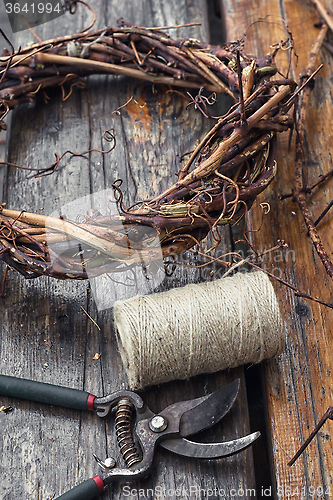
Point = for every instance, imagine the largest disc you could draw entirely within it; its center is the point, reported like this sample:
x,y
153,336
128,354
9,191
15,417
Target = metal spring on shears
x,y
124,434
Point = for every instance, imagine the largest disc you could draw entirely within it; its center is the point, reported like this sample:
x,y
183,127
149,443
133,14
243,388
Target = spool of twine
x,y
200,328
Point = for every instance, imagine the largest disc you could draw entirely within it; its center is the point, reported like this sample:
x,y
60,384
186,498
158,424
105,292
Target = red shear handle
x,y
85,491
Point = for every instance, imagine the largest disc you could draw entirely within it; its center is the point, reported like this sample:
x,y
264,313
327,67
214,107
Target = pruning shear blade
x,y
191,449
204,413
209,410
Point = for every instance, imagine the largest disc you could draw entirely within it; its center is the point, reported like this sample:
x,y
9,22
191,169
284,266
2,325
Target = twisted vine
x,y
232,164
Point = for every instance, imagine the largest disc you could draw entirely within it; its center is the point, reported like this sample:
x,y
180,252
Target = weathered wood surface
x,y
299,384
45,334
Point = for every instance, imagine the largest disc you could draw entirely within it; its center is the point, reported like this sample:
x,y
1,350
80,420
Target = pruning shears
x,y
138,429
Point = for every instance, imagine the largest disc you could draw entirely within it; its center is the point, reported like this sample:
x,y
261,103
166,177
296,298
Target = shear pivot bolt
x,y
158,423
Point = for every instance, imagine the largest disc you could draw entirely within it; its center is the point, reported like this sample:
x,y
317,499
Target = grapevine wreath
x,y
218,183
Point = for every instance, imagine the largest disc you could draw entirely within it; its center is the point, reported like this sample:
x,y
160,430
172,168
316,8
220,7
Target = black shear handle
x,y
85,491
46,393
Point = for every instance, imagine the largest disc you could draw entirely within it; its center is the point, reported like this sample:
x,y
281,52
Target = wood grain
x,y
298,384
45,334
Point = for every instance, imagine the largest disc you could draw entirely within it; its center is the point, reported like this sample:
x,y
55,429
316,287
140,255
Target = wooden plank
x,y
45,334
298,384
5,26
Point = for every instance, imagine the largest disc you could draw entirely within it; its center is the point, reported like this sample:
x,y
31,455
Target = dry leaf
x,y
97,356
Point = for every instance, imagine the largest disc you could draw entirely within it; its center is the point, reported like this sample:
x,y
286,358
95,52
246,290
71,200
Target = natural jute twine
x,y
201,328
